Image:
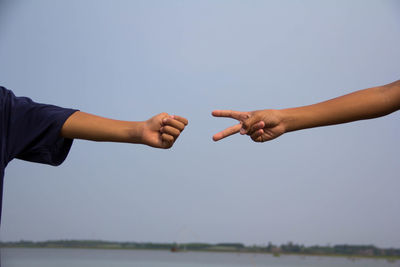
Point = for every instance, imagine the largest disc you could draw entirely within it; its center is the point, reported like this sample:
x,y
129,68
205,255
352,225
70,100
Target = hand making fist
x,y
162,130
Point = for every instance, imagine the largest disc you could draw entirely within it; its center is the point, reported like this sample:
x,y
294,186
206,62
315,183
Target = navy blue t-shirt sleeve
x,y
32,130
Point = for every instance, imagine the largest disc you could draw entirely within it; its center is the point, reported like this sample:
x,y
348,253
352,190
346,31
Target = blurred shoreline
x,y
347,251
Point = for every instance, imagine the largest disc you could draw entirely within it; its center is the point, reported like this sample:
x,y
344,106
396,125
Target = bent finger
x,y
181,119
174,123
227,132
255,127
256,136
167,140
247,124
170,131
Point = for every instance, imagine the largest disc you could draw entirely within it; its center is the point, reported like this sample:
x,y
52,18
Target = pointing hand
x,y
260,125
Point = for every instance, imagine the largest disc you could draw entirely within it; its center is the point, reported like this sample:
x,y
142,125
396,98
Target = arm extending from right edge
x,y
360,105
265,125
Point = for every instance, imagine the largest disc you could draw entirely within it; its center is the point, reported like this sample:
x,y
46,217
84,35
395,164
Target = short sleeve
x,y
32,130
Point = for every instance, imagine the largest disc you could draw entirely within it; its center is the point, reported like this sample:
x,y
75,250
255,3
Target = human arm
x,y
265,125
160,131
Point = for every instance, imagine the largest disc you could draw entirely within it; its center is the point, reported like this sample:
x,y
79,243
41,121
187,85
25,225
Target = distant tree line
x,y
350,250
289,248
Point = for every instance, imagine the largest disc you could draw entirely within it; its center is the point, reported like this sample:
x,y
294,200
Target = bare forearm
x,y
160,131
364,104
86,126
265,125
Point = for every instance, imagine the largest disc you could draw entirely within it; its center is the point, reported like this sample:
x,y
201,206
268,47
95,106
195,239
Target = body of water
x,y
44,257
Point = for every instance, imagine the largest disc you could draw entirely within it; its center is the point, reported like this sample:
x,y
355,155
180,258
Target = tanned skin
x,y
160,131
268,124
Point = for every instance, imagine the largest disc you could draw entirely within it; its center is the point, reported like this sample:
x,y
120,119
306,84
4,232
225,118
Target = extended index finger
x,y
238,115
227,132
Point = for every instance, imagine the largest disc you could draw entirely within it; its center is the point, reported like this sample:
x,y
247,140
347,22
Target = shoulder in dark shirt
x,y
31,131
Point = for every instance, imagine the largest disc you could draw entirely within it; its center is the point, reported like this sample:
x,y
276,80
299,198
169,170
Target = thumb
x,y
246,125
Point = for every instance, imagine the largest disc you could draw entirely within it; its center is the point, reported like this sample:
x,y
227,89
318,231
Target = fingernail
x,y
242,131
164,120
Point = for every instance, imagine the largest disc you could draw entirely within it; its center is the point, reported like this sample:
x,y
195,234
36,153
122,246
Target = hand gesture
x,y
162,130
260,125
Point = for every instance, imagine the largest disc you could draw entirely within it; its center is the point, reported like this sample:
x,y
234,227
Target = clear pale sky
x,y
133,59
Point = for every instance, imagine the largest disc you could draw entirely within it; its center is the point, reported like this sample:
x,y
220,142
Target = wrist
x,y
288,119
135,133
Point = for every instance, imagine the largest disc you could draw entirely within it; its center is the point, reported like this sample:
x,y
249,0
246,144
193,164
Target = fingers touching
x,y
167,140
171,128
176,122
250,127
180,119
170,131
252,124
257,135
